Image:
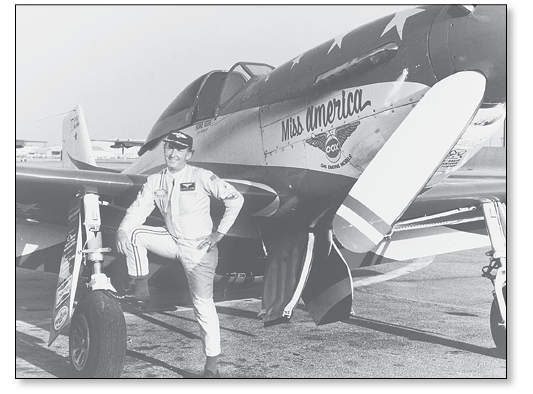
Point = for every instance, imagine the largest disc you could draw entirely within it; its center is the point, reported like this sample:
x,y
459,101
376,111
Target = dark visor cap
x,y
179,140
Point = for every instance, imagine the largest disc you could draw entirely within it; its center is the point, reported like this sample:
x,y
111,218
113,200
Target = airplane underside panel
x,y
284,267
38,246
328,291
311,267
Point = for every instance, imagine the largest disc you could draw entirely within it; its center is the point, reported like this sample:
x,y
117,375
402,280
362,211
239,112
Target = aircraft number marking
x,y
74,122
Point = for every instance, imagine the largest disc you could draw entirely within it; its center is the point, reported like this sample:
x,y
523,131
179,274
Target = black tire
x,y
97,340
499,333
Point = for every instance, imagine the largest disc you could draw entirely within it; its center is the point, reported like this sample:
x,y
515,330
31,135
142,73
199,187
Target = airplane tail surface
x,y
77,150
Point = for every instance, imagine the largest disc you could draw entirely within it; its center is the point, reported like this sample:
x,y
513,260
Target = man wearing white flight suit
x,y
181,192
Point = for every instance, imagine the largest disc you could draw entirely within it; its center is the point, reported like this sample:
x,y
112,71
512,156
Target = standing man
x,y
181,192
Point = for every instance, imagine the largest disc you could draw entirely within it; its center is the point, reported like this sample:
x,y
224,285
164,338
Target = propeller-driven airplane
x,y
24,149
348,151
124,144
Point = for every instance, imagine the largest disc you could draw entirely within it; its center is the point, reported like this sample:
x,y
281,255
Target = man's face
x,y
176,158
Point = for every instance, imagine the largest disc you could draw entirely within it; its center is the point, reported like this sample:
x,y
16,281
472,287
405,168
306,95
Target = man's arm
x,y
233,201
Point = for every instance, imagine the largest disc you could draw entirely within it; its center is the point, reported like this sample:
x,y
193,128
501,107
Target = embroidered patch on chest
x,y
188,186
160,193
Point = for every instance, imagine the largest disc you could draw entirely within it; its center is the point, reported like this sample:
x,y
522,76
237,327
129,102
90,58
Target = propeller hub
x,y
471,40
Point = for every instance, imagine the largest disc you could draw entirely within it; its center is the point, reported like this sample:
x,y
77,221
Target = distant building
x,y
54,152
101,152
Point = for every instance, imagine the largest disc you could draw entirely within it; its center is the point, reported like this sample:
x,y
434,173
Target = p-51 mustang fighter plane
x,y
348,149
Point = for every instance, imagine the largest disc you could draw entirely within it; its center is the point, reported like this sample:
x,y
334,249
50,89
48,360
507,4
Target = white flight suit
x,y
183,199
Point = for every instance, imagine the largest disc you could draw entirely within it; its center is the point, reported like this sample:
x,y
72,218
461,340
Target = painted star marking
x,y
399,21
337,42
296,61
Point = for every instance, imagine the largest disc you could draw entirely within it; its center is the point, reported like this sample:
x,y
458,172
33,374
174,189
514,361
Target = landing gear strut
x,y
97,340
496,271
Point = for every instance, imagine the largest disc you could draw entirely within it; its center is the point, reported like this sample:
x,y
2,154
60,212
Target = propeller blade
x,y
407,161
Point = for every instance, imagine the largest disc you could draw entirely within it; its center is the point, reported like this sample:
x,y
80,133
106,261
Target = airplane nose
x,y
463,39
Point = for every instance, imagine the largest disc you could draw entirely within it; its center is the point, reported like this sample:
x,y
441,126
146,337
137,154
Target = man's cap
x,y
179,140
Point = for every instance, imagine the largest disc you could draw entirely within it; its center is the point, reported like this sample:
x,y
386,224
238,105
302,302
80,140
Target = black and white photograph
x,y
261,192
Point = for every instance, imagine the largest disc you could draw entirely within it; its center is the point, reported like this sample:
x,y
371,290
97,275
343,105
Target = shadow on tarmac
x,y
418,335
31,350
159,363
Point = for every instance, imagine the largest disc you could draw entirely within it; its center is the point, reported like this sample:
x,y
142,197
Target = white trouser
x,y
199,267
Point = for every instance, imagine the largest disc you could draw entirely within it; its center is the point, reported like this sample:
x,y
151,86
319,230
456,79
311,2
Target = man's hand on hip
x,y
210,241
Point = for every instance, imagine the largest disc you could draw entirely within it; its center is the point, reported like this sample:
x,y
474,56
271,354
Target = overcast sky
x,y
125,64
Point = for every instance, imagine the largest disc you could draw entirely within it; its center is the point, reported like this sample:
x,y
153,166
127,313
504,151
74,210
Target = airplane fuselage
x,y
310,127
312,151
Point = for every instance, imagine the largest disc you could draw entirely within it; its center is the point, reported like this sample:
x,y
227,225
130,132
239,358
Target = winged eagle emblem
x,y
330,142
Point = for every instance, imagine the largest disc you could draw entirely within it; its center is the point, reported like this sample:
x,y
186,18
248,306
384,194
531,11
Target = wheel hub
x,y
80,342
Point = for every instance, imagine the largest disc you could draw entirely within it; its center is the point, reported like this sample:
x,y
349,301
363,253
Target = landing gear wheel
x,y
499,333
97,340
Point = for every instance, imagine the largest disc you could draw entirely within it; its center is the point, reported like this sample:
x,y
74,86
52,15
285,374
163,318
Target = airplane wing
x,y
462,189
446,219
43,195
47,191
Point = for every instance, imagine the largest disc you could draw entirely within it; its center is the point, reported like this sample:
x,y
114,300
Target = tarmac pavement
x,y
429,322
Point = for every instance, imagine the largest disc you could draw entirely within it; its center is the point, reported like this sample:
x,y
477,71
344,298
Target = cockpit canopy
x,y
201,99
